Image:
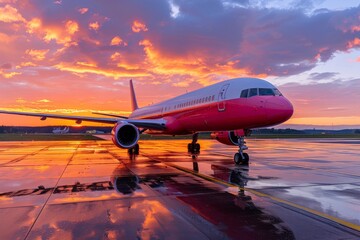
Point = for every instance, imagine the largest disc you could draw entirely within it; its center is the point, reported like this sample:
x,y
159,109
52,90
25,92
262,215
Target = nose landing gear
x,y
240,157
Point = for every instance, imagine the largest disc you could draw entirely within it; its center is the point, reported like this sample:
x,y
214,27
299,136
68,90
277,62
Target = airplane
x,y
58,130
228,109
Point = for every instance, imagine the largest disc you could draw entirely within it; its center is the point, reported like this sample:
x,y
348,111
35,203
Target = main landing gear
x,y
240,157
134,150
194,147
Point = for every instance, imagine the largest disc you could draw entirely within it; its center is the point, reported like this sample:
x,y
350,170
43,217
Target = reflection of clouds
x,y
150,222
5,200
77,197
122,219
15,222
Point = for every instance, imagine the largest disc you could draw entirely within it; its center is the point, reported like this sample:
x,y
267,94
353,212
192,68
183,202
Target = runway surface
x,y
292,189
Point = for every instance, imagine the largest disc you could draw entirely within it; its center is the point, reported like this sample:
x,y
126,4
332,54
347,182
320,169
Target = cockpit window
x,y
266,92
244,93
277,92
253,92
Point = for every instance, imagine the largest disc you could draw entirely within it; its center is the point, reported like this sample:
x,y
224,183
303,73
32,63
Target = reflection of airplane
x,y
58,130
229,109
124,181
237,176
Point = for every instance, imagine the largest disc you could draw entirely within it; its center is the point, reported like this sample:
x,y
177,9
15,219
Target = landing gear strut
x,y
240,157
134,150
194,147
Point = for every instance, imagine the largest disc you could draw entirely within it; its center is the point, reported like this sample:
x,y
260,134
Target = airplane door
x,y
221,98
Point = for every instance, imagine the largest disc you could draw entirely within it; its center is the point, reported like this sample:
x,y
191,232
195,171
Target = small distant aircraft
x,y
58,130
229,109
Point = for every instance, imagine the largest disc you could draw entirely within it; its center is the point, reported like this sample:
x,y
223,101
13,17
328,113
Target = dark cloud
x,y
322,76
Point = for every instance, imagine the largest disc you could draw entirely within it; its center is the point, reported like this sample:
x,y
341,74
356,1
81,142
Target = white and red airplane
x,y
229,109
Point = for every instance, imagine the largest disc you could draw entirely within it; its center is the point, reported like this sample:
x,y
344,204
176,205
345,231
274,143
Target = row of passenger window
x,y
196,101
259,92
191,103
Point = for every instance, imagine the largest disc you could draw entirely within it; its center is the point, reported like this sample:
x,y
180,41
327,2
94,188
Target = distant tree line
x,y
277,131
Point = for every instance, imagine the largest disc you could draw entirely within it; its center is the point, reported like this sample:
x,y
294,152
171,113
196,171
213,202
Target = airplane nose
x,y
279,110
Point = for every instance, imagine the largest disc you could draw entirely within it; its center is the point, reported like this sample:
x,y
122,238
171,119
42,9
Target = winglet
x,y
133,96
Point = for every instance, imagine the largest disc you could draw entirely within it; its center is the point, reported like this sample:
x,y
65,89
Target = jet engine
x,y
225,137
230,137
125,135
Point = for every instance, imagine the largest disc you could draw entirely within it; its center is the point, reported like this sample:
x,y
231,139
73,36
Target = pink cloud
x,y
83,10
332,99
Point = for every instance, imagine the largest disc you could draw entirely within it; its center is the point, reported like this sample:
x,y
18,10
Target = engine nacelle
x,y
125,135
230,137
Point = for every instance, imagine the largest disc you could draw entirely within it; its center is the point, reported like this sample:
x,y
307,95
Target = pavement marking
x,y
18,159
51,193
303,166
260,194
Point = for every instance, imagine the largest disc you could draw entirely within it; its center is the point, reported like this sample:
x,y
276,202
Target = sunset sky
x,y
78,56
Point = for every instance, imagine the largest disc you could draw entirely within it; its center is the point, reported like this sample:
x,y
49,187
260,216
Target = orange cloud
x,y
163,65
193,66
10,14
9,74
43,101
116,74
358,59
71,27
354,43
117,41
94,26
60,34
37,55
86,64
139,26
115,56
33,25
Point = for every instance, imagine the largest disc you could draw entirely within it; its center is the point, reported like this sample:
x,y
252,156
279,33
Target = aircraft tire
x,y
246,158
197,147
237,158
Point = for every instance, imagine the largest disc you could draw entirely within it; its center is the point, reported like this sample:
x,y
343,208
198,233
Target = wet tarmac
x,y
292,189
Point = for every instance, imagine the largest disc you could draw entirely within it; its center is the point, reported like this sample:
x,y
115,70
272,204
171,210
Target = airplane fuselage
x,y
220,107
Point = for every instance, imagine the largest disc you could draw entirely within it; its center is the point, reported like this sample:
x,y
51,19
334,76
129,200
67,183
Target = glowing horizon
x,y
72,57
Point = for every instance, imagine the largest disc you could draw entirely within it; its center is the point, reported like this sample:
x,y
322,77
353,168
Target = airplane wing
x,y
156,124
109,115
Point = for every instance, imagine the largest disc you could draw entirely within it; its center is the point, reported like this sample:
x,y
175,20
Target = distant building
x,y
58,130
94,132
